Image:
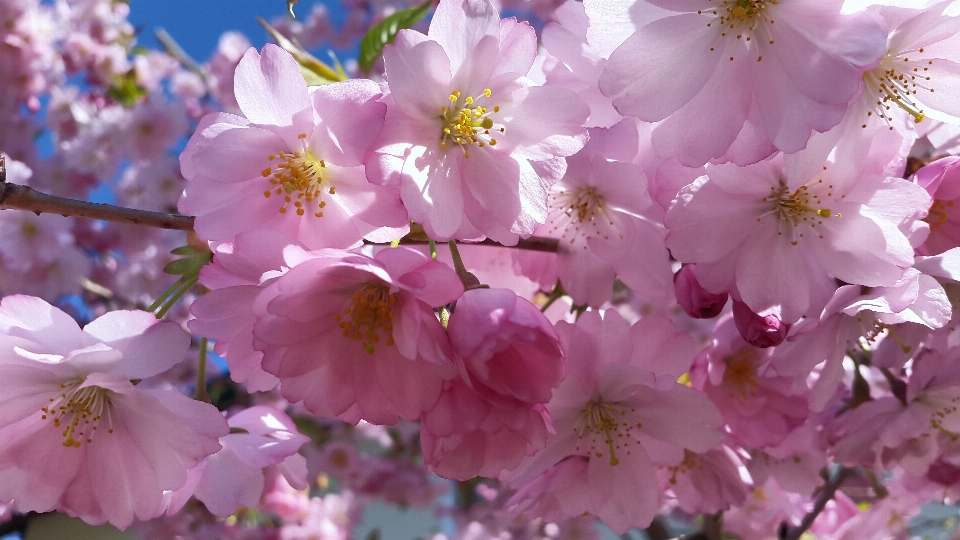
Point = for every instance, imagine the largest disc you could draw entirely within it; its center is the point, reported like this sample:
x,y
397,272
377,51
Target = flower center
x,y
740,18
742,11
896,81
740,375
939,214
29,229
691,462
872,328
467,123
803,207
603,424
79,411
298,178
369,311
581,214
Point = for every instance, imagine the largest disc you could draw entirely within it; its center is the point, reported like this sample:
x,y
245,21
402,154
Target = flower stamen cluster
x,y
583,206
468,124
740,375
743,16
81,409
601,418
896,82
301,173
369,311
803,206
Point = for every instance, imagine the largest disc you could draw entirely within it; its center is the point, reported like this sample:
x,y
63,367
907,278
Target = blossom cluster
x,y
663,258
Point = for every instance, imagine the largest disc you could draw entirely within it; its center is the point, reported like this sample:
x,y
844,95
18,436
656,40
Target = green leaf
x,y
125,90
189,266
184,250
383,34
315,72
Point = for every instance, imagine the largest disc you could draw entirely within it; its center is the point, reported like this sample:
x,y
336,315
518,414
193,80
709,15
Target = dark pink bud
x,y
696,301
943,473
761,331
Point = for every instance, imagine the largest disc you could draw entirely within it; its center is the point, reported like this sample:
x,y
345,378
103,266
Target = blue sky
x,y
197,24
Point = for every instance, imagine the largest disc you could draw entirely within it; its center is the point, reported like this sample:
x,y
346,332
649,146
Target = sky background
x,y
197,24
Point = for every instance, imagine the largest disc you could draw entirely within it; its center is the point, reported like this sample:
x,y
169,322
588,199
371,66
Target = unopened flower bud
x,y
761,331
696,301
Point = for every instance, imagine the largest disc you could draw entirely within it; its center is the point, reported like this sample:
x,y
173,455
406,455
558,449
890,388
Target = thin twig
x,y
534,243
176,51
14,196
826,493
17,197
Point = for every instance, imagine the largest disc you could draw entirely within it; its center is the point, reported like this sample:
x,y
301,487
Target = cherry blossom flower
x,y
780,69
608,225
262,440
355,337
941,179
507,344
778,232
612,426
236,276
293,163
472,145
76,432
917,76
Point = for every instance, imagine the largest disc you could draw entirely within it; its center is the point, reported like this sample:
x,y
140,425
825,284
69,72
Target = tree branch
x,y
15,196
826,493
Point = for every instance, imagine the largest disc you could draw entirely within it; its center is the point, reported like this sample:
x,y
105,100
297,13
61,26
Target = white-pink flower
x,y
719,72
778,232
616,416
356,337
471,143
76,432
262,440
293,162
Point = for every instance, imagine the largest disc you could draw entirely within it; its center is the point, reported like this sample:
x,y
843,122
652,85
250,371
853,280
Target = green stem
x,y
433,249
172,301
166,294
201,393
555,295
457,261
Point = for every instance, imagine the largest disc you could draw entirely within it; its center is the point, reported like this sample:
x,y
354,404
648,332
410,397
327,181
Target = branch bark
x,y
826,493
14,196
17,197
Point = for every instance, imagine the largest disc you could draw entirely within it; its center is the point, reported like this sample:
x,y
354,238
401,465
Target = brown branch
x,y
14,196
534,243
826,493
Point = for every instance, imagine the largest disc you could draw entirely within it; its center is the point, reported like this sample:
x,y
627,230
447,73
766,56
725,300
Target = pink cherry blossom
x,y
76,432
941,179
356,337
473,431
781,71
707,483
917,76
696,301
607,224
472,145
852,320
779,231
262,440
507,344
293,163
225,314
612,427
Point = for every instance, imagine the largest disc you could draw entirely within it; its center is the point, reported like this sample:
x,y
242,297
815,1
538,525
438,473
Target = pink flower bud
x,y
761,331
696,301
